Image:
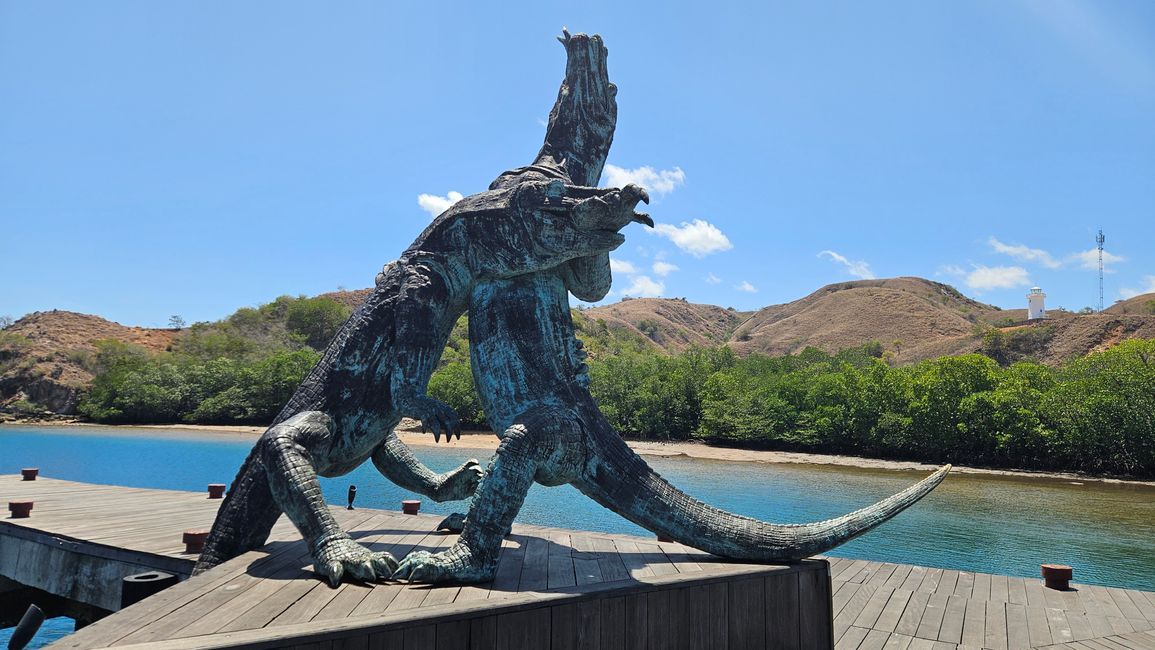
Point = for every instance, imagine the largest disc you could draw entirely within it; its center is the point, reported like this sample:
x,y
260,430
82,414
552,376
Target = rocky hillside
x,y
46,357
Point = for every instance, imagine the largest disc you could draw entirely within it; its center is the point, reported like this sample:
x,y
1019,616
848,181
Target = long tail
x,y
620,480
245,518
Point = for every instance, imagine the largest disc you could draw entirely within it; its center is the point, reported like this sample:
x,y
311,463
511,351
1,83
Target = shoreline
x,y
410,433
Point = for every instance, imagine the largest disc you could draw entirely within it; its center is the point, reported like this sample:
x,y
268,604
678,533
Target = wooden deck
x,y
593,590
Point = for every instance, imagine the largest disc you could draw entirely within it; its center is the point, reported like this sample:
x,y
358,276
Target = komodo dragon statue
x,y
533,384
377,367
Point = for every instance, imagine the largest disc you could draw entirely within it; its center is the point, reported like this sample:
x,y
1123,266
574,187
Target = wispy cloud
x,y
984,278
663,269
1025,253
712,279
698,238
1089,259
622,266
747,287
1147,287
642,286
655,182
435,205
858,269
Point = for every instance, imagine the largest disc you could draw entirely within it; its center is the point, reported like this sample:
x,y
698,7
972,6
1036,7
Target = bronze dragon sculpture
x,y
510,256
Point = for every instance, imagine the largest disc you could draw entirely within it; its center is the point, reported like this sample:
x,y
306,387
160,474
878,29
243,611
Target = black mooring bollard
x,y
352,495
136,588
26,629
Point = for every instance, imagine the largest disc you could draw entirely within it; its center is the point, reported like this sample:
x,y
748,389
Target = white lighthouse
x,y
1035,308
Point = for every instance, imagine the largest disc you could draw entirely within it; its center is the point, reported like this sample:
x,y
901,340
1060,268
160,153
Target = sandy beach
x,y
410,433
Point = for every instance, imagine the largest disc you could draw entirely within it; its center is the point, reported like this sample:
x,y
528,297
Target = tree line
x,y
1094,414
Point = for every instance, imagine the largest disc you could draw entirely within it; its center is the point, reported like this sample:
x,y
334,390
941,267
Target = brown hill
x,y
671,324
46,357
1142,304
904,314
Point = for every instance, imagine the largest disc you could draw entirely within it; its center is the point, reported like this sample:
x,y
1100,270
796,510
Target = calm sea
x,y
973,523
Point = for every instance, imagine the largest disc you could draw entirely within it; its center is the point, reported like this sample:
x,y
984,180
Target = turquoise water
x,y
974,523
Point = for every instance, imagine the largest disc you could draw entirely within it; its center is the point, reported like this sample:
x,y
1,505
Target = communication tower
x,y
1099,239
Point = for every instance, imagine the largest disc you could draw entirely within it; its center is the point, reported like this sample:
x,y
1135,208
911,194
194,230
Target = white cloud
x,y
622,266
435,205
1148,287
644,287
1025,253
858,269
699,238
1089,259
712,279
655,182
746,286
663,268
983,278
951,269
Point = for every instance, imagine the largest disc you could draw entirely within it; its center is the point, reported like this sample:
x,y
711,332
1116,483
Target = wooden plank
x,y
1018,633
576,626
452,635
632,559
932,617
853,637
952,621
524,630
1017,591
843,594
851,610
1038,629
892,612
483,633
609,561
1000,589
914,580
705,614
912,615
560,570
974,623
656,560
1060,629
981,589
930,580
1080,626
747,613
898,642
996,626
782,611
814,613
899,576
873,608
875,640
964,584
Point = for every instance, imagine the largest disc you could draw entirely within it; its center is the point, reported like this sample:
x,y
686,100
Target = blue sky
x,y
194,157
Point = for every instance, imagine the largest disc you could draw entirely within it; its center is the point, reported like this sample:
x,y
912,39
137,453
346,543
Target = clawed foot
x,y
454,523
455,565
460,483
435,415
342,557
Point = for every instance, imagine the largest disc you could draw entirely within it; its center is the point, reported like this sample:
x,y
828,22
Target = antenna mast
x,y
1099,239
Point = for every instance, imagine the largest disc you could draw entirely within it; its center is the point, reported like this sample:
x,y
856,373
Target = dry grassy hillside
x,y
1143,304
901,313
671,324
46,356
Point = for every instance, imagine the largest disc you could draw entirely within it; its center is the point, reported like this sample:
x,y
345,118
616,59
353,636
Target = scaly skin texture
x,y
377,367
529,370
533,386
